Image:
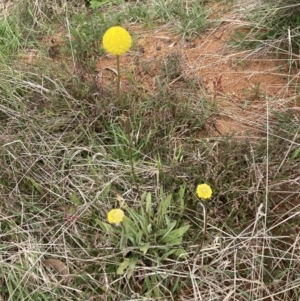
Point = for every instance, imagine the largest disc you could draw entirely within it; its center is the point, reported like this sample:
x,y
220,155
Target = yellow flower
x,y
115,216
116,40
204,191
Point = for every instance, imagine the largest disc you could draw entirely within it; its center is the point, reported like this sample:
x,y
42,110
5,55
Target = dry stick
x,y
128,127
204,229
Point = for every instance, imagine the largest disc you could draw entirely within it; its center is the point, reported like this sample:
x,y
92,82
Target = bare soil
x,y
242,83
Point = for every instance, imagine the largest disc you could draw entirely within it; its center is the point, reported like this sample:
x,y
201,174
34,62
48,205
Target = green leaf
x,y
151,288
149,228
280,116
132,265
145,248
129,264
106,190
138,238
181,254
148,203
181,199
142,211
130,227
107,228
167,230
295,153
174,236
35,185
94,4
139,220
163,208
91,167
174,241
75,199
167,254
123,266
281,274
176,285
168,220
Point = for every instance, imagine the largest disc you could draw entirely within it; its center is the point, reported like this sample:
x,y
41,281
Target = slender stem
x,y
118,81
204,229
128,128
123,242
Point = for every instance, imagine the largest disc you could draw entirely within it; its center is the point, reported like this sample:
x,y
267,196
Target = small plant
x,y
117,41
190,18
148,236
94,4
86,29
204,193
10,36
172,66
255,92
275,26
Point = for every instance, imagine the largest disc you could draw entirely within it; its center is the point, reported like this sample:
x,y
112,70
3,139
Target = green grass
x,y
65,162
274,26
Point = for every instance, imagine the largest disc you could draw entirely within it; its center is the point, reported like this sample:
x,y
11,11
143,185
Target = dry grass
x,y
65,158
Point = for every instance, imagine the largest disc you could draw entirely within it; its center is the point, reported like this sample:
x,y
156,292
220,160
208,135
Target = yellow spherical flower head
x,y
204,191
115,216
116,40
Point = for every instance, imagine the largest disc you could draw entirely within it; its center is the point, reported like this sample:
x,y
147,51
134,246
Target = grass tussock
x,y
274,27
70,153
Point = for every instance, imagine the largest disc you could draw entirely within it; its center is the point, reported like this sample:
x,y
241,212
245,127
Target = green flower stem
x,y
123,242
127,126
204,229
118,81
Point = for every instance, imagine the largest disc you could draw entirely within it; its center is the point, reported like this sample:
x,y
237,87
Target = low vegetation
x,y
73,149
